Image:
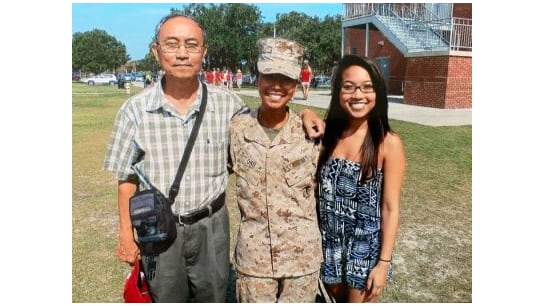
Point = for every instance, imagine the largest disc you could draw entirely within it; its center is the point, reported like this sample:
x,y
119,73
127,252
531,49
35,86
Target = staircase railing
x,y
461,34
412,17
455,32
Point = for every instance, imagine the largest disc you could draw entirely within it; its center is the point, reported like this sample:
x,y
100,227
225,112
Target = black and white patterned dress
x,y
350,221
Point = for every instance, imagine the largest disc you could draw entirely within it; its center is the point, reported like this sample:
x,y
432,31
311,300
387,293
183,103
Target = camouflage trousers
x,y
299,289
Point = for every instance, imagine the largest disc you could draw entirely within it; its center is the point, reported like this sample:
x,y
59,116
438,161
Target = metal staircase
x,y
414,27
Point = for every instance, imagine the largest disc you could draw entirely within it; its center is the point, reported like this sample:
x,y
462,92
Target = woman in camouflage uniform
x,y
278,251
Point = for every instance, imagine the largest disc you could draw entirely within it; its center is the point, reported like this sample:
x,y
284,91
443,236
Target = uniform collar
x,y
290,132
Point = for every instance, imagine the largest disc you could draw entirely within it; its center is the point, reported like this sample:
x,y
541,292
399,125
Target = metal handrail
x,y
455,32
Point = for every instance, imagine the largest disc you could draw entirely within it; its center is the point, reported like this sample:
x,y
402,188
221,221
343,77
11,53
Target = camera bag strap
x,y
174,189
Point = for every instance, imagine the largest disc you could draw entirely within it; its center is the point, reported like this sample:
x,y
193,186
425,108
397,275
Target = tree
x,y
149,63
96,51
322,39
231,32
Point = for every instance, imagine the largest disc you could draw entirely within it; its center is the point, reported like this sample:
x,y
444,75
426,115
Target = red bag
x,y
136,289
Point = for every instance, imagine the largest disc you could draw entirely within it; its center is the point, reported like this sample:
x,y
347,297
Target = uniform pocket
x,y
299,171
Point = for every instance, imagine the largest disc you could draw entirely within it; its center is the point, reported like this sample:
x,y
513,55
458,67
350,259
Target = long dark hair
x,y
336,118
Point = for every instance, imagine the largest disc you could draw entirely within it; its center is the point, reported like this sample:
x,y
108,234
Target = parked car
x,y
321,81
138,76
249,79
125,76
100,79
76,76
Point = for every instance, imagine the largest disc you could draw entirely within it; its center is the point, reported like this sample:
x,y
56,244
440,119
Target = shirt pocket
x,y
215,151
299,165
299,175
299,171
247,171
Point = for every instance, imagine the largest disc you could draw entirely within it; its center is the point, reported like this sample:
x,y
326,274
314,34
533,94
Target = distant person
x,y
239,79
148,79
305,79
228,77
333,73
150,132
218,78
202,76
278,250
209,77
360,171
120,81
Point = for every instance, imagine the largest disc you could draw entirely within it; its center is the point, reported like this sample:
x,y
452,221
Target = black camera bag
x,y
152,216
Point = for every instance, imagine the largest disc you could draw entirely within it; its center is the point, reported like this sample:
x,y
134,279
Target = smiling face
x,y
180,63
276,90
357,95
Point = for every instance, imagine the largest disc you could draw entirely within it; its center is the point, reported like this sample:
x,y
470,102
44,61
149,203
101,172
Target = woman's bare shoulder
x,y
393,142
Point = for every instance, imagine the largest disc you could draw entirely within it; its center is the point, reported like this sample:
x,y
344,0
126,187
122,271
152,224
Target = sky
x,y
133,24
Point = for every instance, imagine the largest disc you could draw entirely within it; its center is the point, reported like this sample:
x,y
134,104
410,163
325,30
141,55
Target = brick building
x,y
424,49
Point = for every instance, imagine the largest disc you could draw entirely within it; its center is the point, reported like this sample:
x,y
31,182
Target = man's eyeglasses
x,y
172,47
349,88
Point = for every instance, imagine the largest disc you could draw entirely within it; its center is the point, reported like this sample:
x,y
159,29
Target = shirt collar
x,y
158,99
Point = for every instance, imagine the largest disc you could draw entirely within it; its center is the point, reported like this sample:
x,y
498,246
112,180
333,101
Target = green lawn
x,y
433,256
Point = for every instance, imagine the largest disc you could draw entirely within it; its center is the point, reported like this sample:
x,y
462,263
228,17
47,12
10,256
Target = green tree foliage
x,y
231,32
96,51
322,39
149,63
327,46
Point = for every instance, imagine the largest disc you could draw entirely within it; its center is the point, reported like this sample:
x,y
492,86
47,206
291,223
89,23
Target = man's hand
x,y
314,126
127,249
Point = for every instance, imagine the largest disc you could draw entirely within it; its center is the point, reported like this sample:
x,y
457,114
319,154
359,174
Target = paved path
x,y
397,110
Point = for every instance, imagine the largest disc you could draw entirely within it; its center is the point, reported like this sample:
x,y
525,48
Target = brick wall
x,y
439,81
462,10
425,81
397,62
459,89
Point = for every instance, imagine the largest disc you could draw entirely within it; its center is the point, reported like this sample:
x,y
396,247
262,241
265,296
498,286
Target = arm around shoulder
x,y
314,126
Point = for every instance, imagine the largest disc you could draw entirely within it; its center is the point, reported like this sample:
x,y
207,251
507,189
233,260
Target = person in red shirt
x,y
218,78
209,77
305,77
228,77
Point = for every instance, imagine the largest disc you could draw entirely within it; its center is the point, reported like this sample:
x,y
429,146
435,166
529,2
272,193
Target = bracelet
x,y
379,259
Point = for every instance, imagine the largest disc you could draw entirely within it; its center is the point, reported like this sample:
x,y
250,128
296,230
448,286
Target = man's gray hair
x,y
172,15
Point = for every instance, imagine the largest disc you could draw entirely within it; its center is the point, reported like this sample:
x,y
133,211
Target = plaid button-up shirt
x,y
151,134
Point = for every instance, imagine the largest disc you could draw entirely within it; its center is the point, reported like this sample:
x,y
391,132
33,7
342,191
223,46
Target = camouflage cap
x,y
278,55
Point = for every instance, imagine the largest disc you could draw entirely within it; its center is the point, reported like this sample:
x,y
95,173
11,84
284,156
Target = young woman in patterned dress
x,y
360,172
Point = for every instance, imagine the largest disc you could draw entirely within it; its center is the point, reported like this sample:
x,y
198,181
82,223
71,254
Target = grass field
x,y
433,255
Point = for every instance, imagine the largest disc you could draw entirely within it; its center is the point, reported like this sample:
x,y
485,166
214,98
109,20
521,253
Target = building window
x,y
354,50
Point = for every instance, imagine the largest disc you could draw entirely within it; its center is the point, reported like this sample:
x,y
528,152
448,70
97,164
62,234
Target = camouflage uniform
x,y
279,235
301,289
